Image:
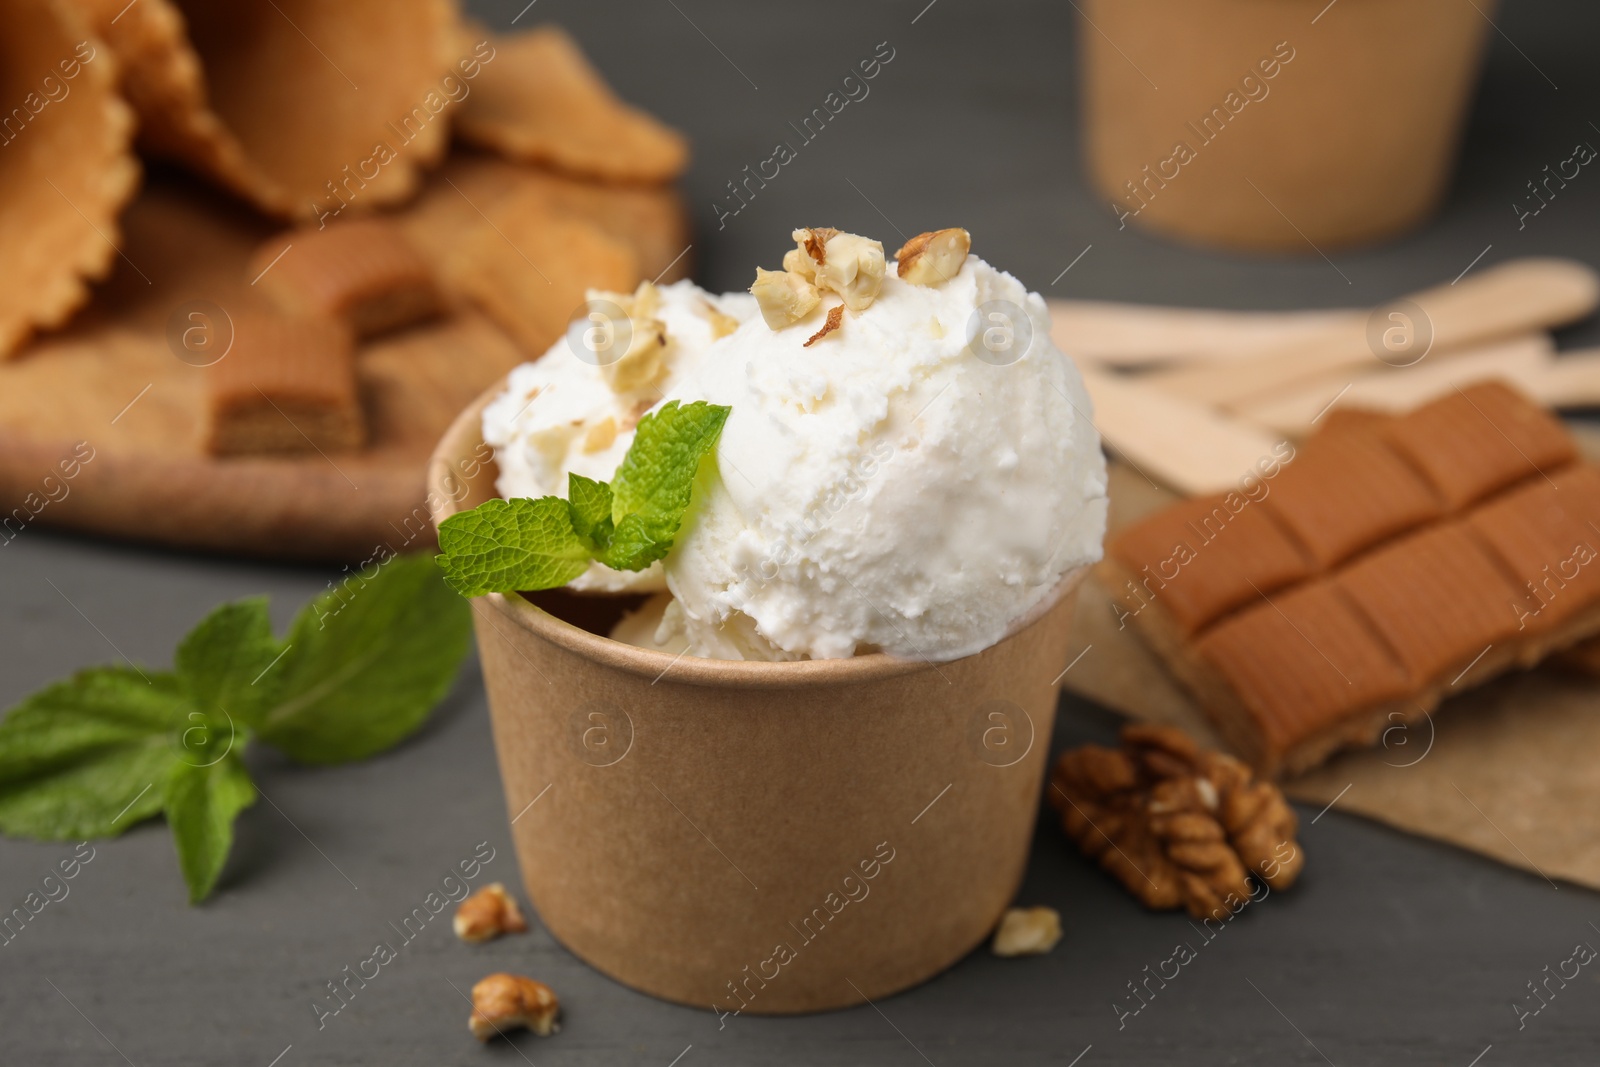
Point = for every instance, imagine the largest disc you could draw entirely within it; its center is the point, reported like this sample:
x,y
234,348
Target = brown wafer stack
x,y
285,385
364,272
1392,561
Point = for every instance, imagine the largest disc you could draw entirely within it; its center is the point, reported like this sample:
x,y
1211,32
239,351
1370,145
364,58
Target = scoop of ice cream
x,y
575,408
913,482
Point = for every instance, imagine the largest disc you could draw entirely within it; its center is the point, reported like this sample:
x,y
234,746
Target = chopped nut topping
x,y
784,298
795,261
1027,932
503,1002
835,316
722,324
488,913
644,362
933,258
814,242
1175,824
854,269
600,435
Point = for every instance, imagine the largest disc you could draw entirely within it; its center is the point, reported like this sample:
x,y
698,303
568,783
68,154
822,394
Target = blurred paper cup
x,y
1277,124
762,837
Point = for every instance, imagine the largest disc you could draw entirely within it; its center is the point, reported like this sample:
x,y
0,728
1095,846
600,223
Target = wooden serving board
x,y
112,389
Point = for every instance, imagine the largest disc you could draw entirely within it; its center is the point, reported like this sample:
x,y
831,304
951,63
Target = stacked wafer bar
x,y
1390,562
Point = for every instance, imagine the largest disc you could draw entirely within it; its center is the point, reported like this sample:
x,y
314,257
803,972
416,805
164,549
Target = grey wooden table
x,y
1391,950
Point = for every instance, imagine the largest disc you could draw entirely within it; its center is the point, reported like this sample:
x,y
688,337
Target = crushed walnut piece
x,y
487,914
642,364
504,1002
722,324
1177,825
933,258
835,317
784,297
1027,932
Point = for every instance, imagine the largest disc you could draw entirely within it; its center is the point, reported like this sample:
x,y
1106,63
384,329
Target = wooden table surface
x,y
1391,950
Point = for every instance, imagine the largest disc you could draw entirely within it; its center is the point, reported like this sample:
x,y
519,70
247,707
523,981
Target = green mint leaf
x,y
631,547
502,546
223,663
366,662
87,757
589,502
658,473
201,803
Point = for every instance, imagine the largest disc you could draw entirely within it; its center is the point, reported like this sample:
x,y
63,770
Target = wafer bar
x,y
364,272
286,385
1436,549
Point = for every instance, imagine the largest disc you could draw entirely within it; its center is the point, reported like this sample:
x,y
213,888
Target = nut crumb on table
x,y
1027,932
487,914
504,1002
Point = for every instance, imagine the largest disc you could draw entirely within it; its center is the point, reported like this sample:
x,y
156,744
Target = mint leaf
x,y
631,547
589,502
367,662
657,475
502,546
87,757
201,803
222,663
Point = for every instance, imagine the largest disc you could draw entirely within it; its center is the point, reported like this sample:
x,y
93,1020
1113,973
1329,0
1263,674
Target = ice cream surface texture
x,y
911,482
575,408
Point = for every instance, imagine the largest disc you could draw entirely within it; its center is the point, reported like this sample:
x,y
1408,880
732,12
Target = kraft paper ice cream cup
x,y
1277,125
752,836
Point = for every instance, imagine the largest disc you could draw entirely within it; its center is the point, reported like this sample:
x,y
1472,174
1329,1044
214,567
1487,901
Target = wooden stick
x,y
1571,380
1126,335
1191,448
1295,412
1514,298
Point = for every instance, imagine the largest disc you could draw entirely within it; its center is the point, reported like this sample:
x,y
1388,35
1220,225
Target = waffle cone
x,y
285,104
66,167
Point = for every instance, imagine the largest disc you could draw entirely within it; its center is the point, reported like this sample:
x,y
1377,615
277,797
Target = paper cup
x,y
760,837
1348,140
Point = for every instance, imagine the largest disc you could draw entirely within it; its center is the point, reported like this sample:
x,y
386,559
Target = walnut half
x,y
1177,825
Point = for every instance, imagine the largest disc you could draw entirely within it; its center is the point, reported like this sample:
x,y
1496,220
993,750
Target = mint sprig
x,y
503,546
110,747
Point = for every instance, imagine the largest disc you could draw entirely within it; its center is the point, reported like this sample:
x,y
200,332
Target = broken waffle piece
x,y
541,101
1026,932
1547,533
1282,677
285,385
364,272
1201,558
1435,549
1177,825
1348,493
530,270
487,914
1479,439
505,1002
